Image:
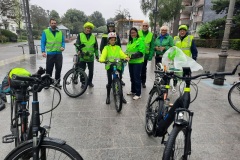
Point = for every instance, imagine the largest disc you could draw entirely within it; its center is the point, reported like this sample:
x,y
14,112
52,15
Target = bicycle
x,y
116,84
158,103
38,145
75,81
178,145
234,95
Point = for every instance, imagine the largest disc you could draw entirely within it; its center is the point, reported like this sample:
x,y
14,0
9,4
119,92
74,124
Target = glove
x,y
137,55
195,58
82,45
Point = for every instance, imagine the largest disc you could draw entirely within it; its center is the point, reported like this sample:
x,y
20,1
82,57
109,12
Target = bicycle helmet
x,y
112,35
110,24
88,24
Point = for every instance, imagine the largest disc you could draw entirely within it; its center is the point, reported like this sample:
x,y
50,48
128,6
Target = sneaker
x,y
136,97
130,93
2,106
123,84
124,100
144,85
91,85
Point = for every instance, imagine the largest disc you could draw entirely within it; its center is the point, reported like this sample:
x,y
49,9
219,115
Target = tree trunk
x,y
175,25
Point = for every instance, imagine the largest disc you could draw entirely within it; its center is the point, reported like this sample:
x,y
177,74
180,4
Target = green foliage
x,y
3,39
12,37
54,14
97,19
207,31
101,29
221,6
234,44
216,43
39,17
74,20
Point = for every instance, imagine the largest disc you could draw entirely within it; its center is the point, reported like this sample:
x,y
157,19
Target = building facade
x,y
195,13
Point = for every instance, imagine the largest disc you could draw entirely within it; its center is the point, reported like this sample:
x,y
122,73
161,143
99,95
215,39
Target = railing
x,y
23,45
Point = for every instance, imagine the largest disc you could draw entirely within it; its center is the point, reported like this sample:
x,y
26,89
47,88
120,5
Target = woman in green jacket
x,y
135,50
162,43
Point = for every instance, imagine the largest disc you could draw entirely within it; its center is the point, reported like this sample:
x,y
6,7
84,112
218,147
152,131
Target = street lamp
x,y
219,80
155,11
129,21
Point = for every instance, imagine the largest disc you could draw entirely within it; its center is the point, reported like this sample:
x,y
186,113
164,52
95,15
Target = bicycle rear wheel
x,y
117,94
75,82
49,150
175,146
152,112
234,97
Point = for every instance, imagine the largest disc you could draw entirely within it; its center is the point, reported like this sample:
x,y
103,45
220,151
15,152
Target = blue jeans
x,y
135,77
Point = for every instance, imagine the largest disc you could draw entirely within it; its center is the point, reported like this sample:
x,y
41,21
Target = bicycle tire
x,y
152,112
24,151
234,97
15,120
117,94
170,147
72,81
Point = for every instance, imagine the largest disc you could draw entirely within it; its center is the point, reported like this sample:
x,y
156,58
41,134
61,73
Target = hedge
x,y
10,35
3,39
216,43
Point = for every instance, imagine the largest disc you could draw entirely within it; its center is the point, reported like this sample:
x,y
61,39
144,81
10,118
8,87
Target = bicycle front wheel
x,y
234,97
49,150
75,82
117,94
176,144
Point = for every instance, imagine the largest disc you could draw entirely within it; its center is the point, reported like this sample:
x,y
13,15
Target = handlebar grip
x,y
23,78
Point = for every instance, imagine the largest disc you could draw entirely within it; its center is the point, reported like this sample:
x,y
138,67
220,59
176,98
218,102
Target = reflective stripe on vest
x,y
185,44
89,45
112,55
147,40
54,43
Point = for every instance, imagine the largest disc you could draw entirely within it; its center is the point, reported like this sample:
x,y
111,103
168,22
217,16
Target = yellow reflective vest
x,y
88,50
185,44
53,43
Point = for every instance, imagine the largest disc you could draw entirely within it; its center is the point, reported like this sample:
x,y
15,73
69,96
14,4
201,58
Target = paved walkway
x,y
98,132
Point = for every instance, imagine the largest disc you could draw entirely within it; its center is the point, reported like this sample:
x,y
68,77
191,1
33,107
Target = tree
x,y
221,6
74,19
97,19
6,6
54,14
167,10
39,17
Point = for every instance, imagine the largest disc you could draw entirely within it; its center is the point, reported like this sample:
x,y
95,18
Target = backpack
x,y
5,86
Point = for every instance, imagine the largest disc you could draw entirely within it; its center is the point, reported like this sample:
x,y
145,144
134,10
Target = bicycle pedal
x,y
8,138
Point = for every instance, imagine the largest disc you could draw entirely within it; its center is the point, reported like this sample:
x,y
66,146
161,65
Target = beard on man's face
x,y
53,27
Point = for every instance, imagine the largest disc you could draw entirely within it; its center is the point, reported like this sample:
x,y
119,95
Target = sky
x,y
106,7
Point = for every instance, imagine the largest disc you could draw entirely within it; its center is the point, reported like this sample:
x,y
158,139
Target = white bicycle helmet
x,y
112,35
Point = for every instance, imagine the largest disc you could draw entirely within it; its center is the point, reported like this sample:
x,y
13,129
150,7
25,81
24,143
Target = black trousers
x,y
54,60
144,71
90,65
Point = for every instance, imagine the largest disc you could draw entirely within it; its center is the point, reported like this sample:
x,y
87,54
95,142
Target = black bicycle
x,y
158,103
37,145
75,81
178,146
116,84
234,96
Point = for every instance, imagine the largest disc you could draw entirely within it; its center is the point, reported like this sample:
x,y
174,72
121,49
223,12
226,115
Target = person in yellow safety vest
x,y
136,51
110,53
88,45
104,40
149,49
52,46
185,42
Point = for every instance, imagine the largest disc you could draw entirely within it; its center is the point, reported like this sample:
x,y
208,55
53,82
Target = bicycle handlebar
x,y
207,75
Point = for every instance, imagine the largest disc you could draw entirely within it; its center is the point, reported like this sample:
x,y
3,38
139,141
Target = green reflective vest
x,y
147,40
88,50
185,44
112,55
135,46
54,43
